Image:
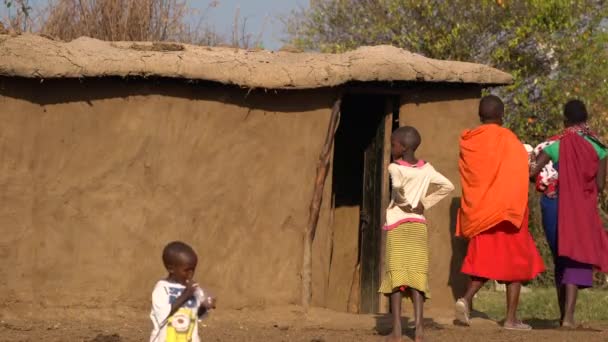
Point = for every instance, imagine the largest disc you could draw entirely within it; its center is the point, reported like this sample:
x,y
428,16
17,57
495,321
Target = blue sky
x,y
262,16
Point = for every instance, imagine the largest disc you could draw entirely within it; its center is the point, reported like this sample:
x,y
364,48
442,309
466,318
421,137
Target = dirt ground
x,y
27,323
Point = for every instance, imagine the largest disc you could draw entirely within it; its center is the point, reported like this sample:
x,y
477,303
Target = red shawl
x,y
581,235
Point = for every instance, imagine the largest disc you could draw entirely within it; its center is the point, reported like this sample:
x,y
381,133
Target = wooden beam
x,y
385,191
315,204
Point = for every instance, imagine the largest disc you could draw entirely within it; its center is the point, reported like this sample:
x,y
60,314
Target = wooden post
x,y
385,191
315,204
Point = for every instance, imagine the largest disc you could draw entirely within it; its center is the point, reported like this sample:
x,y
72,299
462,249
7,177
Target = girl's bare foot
x,y
568,324
419,334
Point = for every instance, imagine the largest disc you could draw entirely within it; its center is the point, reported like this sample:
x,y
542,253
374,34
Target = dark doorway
x,y
360,180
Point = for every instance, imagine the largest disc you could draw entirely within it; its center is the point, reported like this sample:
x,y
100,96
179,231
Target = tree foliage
x,y
555,49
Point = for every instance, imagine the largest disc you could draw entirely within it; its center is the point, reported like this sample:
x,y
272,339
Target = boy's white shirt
x,y
410,186
183,325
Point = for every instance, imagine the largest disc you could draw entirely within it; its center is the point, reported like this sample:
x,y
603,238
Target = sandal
x,y
519,326
462,312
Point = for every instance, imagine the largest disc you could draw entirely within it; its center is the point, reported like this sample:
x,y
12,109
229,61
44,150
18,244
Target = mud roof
x,y
33,56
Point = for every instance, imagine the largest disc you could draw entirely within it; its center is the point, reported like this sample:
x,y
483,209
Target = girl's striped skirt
x,y
407,259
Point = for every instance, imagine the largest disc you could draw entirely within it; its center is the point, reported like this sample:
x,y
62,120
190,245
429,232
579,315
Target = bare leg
x,y
513,290
396,298
475,284
561,301
418,299
463,305
571,292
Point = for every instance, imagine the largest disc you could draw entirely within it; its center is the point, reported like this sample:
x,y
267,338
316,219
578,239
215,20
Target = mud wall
x,y
344,278
440,114
96,176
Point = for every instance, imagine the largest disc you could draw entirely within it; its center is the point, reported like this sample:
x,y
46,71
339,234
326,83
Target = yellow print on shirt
x,y
181,325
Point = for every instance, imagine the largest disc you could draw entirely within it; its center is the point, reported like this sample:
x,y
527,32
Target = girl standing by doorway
x,y
407,254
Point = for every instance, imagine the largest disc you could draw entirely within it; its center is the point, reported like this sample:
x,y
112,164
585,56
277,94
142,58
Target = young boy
x,y
177,301
493,213
407,254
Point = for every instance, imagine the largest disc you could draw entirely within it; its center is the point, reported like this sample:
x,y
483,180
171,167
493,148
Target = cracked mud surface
x,y
38,57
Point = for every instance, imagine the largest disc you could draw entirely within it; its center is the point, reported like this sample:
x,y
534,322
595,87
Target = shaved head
x,y
491,109
575,112
176,252
408,137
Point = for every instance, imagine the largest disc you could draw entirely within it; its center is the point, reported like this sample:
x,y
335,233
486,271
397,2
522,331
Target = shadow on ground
x,y
553,324
542,324
384,325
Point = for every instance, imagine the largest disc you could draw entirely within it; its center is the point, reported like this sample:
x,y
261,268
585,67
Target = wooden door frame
x,y
391,109
380,304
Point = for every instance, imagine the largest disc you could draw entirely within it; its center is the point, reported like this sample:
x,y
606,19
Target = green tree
x,y
552,47
555,49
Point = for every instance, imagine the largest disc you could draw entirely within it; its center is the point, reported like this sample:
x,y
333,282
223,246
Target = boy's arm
x,y
541,161
183,298
444,188
162,309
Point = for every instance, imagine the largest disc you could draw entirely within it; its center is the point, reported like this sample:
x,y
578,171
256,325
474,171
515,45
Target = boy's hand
x,y
206,305
211,302
190,289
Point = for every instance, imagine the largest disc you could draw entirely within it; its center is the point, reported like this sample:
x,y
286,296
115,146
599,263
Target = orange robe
x,y
494,174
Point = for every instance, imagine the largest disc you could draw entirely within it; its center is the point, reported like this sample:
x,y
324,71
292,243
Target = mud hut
x,y
110,150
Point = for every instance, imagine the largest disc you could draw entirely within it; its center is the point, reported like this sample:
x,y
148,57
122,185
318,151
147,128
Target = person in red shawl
x,y
493,214
571,218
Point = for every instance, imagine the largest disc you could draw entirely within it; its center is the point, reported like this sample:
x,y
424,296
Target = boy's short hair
x,y
491,108
575,112
408,136
172,249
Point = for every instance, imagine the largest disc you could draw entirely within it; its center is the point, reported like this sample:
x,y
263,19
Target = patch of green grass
x,y
541,303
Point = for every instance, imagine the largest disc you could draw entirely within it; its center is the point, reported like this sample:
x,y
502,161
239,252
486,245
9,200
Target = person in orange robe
x,y
493,214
